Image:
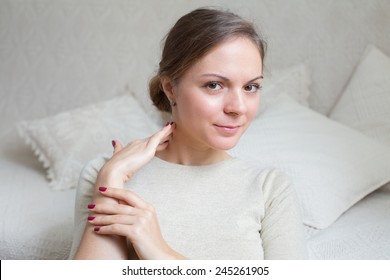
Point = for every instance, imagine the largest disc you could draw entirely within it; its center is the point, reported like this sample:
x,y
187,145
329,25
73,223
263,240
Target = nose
x,y
235,103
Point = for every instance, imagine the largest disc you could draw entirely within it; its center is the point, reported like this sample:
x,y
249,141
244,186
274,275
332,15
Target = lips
x,y
227,129
228,126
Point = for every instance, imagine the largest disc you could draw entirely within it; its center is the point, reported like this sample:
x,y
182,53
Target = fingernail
x,y
96,228
102,189
113,143
91,206
167,124
91,218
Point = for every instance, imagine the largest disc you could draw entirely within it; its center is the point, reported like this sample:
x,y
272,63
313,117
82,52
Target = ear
x,y
168,86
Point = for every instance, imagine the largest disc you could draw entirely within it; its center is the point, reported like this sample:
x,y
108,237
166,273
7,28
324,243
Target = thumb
x,y
117,145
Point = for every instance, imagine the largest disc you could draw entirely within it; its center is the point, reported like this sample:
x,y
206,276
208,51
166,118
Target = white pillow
x,y
65,142
365,102
294,81
331,166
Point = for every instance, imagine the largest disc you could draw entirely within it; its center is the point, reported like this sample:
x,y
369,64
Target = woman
x,y
179,194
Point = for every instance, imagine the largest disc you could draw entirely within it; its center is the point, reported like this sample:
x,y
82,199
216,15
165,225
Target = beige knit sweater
x,y
227,210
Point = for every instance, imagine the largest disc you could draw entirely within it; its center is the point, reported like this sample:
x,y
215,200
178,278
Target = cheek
x,y
253,107
198,106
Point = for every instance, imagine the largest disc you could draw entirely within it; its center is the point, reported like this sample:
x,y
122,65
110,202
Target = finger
x,y
162,130
163,143
113,209
162,146
105,220
117,229
161,136
117,145
167,137
125,195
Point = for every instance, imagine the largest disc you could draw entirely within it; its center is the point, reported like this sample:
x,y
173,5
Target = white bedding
x,y
35,223
363,232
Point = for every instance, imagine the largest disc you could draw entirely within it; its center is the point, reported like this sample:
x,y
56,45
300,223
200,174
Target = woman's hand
x,y
116,217
134,219
129,159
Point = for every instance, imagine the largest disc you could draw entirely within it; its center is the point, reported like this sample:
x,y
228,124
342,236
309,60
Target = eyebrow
x,y
227,79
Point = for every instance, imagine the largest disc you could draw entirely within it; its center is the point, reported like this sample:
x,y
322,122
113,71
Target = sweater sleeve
x,y
84,195
281,226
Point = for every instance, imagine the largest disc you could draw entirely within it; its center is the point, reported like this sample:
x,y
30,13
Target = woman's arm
x,y
282,228
134,219
116,171
94,246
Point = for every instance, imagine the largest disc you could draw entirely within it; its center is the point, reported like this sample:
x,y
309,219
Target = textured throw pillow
x,y
365,102
331,166
65,142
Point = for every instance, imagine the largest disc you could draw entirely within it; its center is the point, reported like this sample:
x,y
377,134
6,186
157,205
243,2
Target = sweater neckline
x,y
218,164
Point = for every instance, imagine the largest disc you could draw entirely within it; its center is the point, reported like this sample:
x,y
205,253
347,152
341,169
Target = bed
x,y
73,75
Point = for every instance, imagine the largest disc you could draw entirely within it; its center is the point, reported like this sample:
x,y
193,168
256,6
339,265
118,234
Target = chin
x,y
225,144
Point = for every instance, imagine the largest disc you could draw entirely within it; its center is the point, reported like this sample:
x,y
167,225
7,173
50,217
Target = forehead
x,y
235,57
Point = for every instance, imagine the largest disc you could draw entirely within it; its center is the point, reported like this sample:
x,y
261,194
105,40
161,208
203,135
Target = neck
x,y
185,152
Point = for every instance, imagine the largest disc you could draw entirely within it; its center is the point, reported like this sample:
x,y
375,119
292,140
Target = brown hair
x,y
192,37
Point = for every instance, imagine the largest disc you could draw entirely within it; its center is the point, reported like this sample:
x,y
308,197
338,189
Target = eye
x,y
253,88
214,86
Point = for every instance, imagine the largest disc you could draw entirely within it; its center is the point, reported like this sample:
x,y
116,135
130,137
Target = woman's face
x,y
217,98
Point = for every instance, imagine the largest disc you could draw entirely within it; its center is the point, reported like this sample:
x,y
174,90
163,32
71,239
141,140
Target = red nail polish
x,y
167,124
91,218
96,228
102,189
91,206
113,143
